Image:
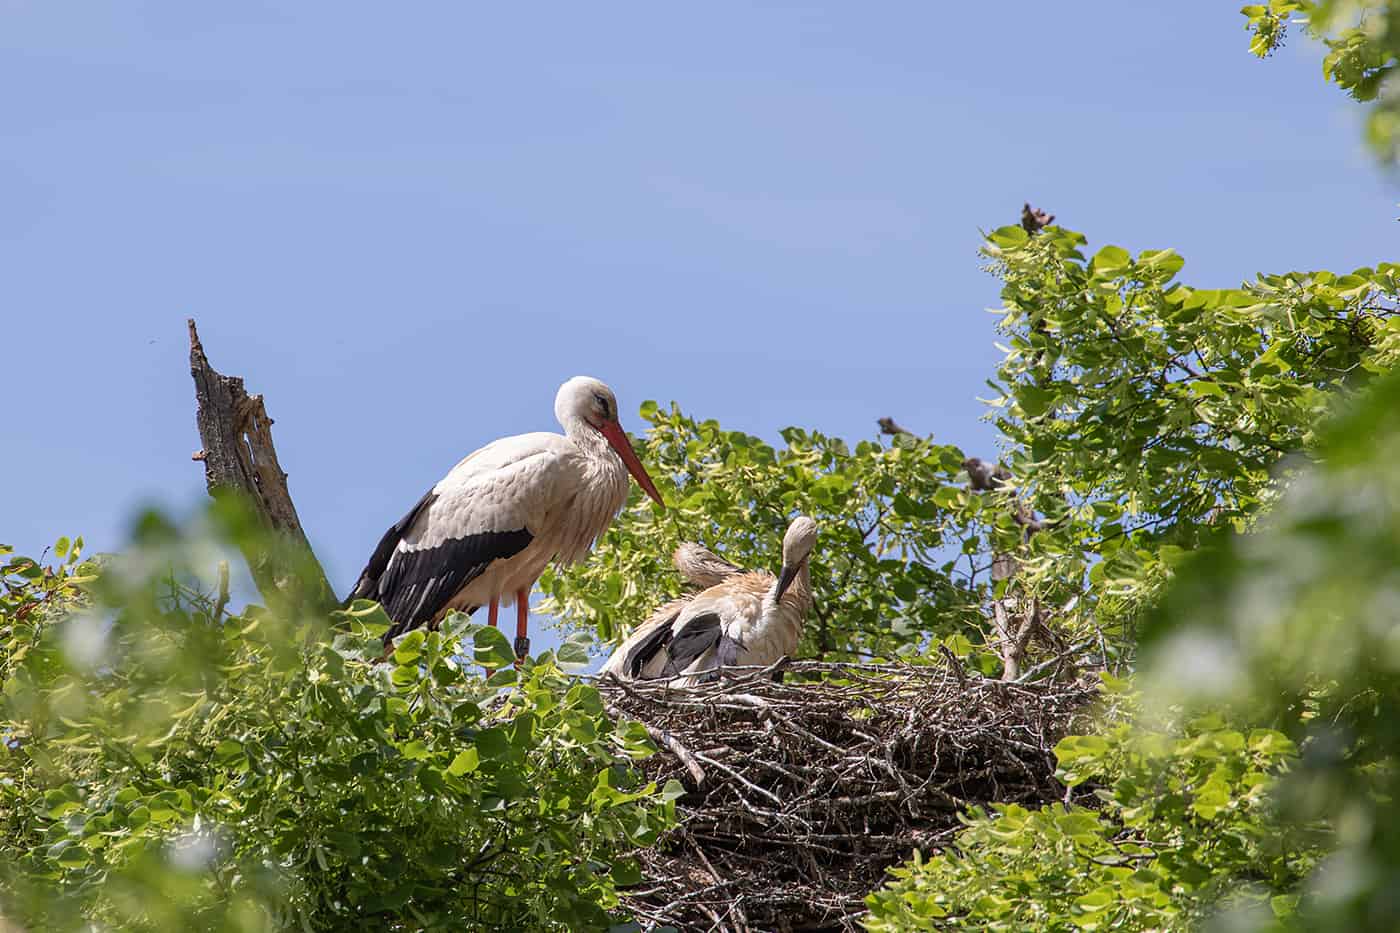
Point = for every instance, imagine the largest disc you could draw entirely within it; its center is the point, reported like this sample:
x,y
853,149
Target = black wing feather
x,y
726,655
728,651
642,653
419,582
413,585
367,587
697,636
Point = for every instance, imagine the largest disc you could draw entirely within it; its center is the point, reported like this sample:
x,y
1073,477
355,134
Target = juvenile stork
x,y
746,619
701,566
486,531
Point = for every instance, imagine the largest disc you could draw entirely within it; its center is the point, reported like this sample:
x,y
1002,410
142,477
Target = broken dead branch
x,y
240,460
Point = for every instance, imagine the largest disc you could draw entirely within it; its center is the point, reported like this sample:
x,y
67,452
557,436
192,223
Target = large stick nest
x,y
802,793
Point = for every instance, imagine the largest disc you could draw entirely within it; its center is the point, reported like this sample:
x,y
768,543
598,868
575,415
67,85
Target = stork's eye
x,y
602,405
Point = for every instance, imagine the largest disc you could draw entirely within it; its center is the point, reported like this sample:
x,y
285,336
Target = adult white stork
x,y
486,531
745,619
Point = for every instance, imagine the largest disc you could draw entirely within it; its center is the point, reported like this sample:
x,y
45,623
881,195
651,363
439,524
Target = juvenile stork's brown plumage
x,y
701,566
743,619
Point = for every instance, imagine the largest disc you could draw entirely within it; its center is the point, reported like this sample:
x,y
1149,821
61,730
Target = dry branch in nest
x,y
802,793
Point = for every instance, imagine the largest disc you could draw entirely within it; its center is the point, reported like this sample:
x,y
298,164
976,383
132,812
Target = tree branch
x,y
240,460
890,426
1013,642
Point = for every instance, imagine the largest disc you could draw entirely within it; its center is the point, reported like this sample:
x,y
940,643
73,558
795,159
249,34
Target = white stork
x,y
486,531
745,619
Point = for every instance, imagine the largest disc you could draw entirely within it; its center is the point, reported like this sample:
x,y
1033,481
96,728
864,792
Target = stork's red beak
x,y
612,430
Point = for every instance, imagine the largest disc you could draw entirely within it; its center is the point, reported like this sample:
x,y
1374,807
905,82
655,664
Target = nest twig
x,y
802,792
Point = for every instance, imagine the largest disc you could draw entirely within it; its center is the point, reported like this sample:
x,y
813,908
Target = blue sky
x,y
407,224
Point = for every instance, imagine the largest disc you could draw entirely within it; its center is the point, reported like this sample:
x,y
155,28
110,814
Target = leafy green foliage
x,y
1297,622
1275,810
1184,825
1146,419
883,570
1143,419
170,766
1140,413
1363,51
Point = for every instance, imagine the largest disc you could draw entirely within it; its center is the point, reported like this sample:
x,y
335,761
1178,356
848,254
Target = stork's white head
x,y
801,537
585,403
584,398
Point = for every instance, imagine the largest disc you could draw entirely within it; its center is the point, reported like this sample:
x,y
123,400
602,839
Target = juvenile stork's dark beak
x,y
789,573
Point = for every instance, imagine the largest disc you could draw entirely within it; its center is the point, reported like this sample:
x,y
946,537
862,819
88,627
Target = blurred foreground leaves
x,y
1299,624
169,765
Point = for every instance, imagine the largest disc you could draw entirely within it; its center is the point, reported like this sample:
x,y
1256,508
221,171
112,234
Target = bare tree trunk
x,y
240,461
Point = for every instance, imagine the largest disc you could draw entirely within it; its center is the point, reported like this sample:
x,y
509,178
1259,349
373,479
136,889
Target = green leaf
x,y
635,740
415,750
59,803
466,762
1035,401
1272,743
627,872
574,651
1110,260
948,497
1167,260
410,647
1010,237
1284,905
370,616
1213,797
492,744
228,752
492,649
1096,900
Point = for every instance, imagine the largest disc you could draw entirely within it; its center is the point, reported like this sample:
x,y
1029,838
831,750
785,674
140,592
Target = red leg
x,y
492,611
522,625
